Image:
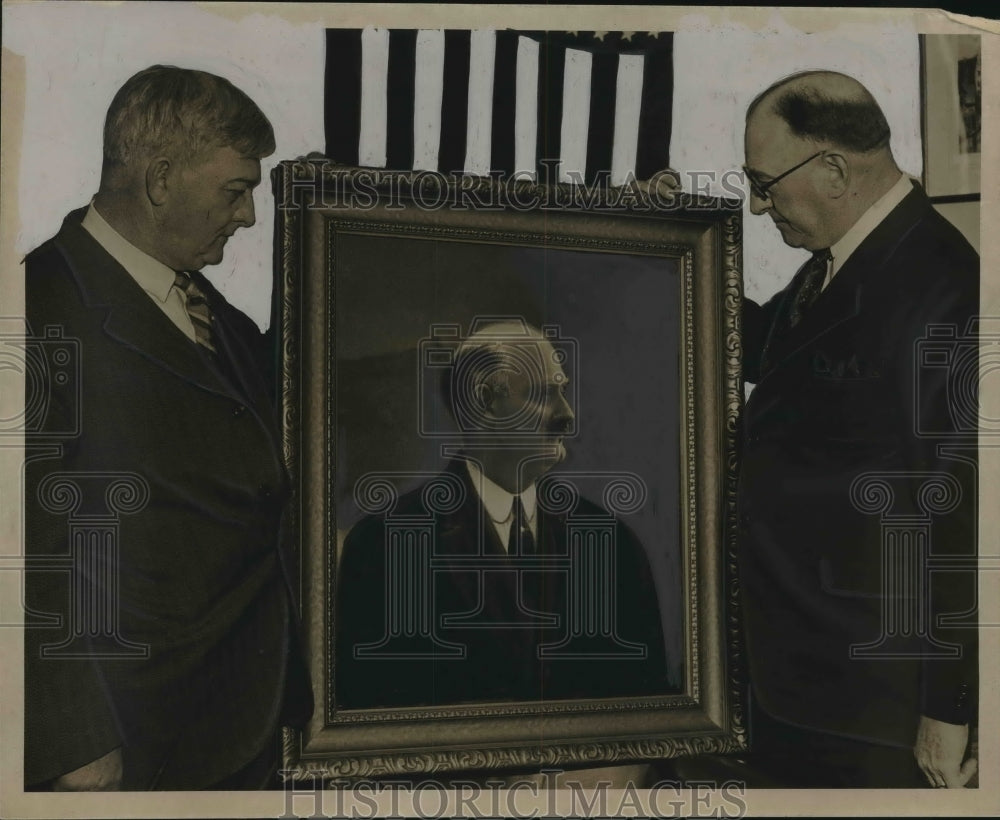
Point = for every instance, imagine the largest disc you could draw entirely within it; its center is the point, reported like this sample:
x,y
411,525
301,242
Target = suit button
x,y
239,410
264,491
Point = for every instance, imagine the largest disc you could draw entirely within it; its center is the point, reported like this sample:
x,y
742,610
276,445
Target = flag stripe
x,y
576,115
627,106
552,105
454,101
342,111
374,62
400,96
477,140
504,101
526,114
653,150
427,99
551,70
603,84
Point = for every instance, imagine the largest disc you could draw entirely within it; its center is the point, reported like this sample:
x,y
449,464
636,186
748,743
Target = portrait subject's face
x,y
209,201
798,203
542,396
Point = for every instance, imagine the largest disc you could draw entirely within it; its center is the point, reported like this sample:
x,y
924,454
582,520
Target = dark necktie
x,y
806,288
198,310
812,275
520,532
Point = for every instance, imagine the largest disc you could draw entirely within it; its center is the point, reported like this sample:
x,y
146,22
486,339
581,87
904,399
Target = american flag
x,y
485,101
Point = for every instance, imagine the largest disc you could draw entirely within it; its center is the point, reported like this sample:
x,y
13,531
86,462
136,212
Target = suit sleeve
x,y
361,619
939,389
69,719
757,321
642,619
356,583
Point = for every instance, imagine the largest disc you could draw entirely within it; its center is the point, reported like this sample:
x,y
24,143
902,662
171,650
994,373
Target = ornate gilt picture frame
x,y
384,277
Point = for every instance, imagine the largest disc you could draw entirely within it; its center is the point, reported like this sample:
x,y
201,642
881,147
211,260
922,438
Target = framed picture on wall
x,y
510,415
951,95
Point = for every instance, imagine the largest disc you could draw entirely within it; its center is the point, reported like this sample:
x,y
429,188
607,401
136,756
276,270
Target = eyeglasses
x,y
760,189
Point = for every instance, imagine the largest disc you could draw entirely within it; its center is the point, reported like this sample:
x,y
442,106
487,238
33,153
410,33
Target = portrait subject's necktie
x,y
520,531
198,310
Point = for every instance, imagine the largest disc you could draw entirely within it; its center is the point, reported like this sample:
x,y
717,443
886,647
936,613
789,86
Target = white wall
x,y
76,57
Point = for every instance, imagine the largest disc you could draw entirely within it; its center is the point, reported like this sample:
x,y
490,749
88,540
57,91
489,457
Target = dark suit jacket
x,y
500,663
200,575
845,396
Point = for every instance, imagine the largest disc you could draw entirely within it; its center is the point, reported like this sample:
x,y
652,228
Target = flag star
x,y
627,35
572,33
600,35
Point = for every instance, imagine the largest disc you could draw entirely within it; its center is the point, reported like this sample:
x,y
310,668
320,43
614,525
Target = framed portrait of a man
x,y
509,411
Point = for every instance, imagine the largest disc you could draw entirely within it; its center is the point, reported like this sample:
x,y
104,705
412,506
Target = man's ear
x,y
157,179
484,397
838,173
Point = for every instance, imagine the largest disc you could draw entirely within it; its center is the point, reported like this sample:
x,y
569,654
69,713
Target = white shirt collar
x,y
498,502
842,249
152,275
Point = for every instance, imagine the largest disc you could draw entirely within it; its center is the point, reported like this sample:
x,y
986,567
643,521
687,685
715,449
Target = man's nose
x,y
246,216
759,205
564,411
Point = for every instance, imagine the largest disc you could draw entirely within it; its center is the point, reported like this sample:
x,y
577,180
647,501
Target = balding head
x,y
508,393
817,154
826,107
487,364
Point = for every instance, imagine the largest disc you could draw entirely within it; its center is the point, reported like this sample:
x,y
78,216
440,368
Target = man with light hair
x,y
497,601
858,677
183,667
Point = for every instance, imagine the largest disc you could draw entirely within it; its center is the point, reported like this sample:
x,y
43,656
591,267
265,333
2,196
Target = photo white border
x,y
984,801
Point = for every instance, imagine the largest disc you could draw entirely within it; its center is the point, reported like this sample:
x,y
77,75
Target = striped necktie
x,y
198,310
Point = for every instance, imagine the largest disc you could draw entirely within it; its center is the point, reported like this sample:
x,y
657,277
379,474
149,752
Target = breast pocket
x,y
853,400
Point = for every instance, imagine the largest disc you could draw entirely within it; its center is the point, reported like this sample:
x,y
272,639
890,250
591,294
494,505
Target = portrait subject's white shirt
x,y
499,503
841,251
155,278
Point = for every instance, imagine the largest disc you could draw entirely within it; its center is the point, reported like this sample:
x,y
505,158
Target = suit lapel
x,y
551,533
131,318
844,297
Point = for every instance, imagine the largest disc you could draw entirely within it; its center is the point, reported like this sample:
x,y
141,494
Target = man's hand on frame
x,y
663,184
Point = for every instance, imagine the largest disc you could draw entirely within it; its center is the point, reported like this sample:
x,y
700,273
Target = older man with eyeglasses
x,y
857,677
